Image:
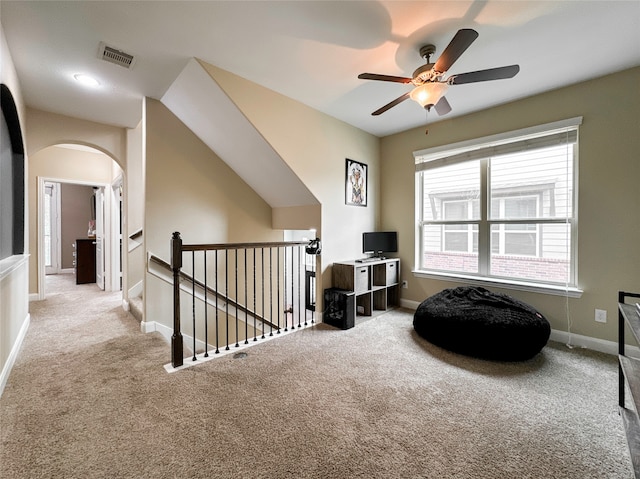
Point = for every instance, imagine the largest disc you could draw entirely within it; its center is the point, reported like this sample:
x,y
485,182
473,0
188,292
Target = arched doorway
x,y
88,184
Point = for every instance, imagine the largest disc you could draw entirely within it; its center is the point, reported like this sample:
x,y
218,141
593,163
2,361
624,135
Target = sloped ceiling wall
x,y
199,102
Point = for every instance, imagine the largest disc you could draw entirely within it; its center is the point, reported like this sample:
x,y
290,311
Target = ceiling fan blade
x,y
460,42
499,73
375,76
391,104
442,107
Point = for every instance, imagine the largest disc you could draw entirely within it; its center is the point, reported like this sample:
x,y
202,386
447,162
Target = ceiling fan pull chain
x,y
426,120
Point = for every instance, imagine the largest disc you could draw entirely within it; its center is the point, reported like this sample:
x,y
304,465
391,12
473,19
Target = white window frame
x,y
504,142
468,228
52,197
503,231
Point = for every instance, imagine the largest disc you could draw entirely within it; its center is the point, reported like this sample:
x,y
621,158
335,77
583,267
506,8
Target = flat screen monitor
x,y
379,242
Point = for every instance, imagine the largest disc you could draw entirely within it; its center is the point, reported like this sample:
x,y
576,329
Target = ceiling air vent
x,y
113,55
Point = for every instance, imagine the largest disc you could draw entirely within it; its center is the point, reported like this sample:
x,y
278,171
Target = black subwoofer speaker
x,y
339,308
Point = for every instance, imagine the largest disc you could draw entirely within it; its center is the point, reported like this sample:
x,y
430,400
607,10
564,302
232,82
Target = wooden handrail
x,y
224,246
188,278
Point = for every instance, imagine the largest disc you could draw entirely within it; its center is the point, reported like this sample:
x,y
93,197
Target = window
x,y
500,208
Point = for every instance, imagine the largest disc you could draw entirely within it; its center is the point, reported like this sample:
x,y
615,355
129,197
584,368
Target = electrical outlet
x,y
405,284
601,316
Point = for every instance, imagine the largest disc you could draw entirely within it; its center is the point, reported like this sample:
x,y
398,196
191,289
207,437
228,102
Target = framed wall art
x,y
355,183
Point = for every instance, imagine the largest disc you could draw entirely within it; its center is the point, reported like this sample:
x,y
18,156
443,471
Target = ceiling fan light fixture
x,y
428,94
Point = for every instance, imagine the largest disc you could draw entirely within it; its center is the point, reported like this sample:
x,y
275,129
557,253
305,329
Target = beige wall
x,y
75,214
9,77
133,207
48,129
315,146
65,165
192,191
135,179
609,197
296,217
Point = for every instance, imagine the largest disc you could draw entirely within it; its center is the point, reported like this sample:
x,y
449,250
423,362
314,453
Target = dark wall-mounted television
x,y
380,242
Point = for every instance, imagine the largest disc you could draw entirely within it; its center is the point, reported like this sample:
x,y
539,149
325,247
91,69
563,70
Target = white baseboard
x,y
125,305
35,297
166,332
152,327
405,303
188,342
136,289
11,359
595,344
573,340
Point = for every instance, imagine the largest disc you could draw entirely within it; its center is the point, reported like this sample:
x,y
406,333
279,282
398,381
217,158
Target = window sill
x,y
558,290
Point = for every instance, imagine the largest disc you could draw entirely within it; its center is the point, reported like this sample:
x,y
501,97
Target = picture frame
x,y
356,177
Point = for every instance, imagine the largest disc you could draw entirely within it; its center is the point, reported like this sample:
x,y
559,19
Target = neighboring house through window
x,y
500,208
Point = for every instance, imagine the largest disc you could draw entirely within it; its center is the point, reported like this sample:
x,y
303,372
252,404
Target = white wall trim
x,y
406,303
201,358
166,332
154,327
10,264
8,365
571,339
132,244
136,289
579,341
117,227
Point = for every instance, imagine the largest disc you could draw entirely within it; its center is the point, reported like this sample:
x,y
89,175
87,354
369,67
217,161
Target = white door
x,y
116,242
52,228
99,193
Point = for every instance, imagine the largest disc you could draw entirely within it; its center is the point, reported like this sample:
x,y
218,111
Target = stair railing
x,y
252,289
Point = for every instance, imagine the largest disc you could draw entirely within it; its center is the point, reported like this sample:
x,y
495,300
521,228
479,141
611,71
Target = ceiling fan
x,y
429,84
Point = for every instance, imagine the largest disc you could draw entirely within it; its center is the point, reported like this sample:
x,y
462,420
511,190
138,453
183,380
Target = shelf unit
x,y
375,283
629,374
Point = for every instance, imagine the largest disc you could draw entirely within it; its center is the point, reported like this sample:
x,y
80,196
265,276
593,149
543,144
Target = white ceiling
x,y
311,51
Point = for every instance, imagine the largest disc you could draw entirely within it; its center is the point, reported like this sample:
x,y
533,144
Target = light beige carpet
x,y
89,398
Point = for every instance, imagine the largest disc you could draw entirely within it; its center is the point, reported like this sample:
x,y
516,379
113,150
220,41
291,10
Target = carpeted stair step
x,y
135,307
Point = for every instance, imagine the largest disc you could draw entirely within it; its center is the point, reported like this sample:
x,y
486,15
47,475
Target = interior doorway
x,y
78,208
79,216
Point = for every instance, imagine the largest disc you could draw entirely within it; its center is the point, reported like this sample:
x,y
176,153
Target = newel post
x,y
176,263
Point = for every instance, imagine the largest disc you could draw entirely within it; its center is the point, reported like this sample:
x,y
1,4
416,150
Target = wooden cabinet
x,y
375,283
85,261
629,375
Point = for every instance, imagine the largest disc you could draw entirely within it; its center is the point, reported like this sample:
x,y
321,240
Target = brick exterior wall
x,y
522,267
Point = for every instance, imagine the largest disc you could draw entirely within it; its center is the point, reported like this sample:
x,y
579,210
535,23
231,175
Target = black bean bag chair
x,y
477,322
